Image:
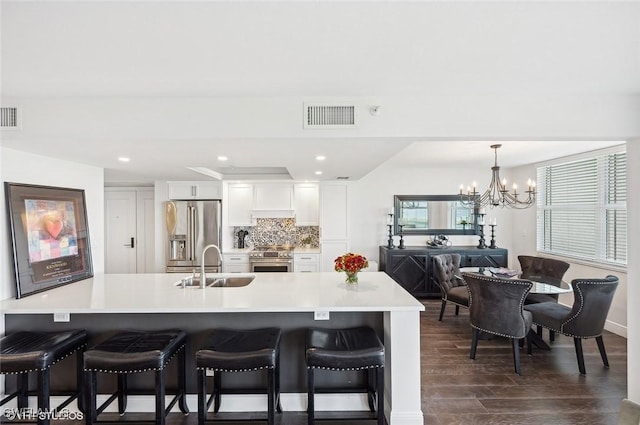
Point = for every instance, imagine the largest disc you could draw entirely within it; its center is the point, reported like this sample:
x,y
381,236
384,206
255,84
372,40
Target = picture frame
x,y
50,236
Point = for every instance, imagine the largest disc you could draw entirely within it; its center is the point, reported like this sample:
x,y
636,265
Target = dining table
x,y
541,285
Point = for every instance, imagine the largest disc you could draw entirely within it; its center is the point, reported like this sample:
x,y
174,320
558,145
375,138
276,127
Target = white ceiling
x,y
241,50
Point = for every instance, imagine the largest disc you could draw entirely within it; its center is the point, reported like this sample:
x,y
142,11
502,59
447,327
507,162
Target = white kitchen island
x,y
106,303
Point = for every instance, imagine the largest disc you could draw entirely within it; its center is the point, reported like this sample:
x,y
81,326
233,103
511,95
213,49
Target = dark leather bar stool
x,y
26,352
347,349
134,352
230,350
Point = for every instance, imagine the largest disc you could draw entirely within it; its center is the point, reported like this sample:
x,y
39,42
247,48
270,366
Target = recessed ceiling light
x,y
222,158
318,173
124,159
321,157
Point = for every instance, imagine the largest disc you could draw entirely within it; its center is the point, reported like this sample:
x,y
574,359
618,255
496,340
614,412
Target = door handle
x,y
132,244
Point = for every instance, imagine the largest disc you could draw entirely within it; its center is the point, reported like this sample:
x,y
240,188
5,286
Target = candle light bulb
x,y
504,183
461,187
494,221
515,188
474,186
468,190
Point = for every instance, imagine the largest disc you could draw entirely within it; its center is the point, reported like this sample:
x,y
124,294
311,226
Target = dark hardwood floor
x,y
458,390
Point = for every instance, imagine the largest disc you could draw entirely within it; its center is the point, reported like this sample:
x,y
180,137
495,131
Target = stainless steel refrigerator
x,y
191,226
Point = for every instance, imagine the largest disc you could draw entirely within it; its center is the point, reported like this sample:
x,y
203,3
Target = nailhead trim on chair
x,y
60,359
515,282
139,370
344,368
234,370
588,282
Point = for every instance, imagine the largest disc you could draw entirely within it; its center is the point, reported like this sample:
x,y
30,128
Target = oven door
x,y
271,265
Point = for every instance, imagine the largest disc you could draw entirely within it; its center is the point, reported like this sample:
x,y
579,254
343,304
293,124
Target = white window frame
x,y
601,208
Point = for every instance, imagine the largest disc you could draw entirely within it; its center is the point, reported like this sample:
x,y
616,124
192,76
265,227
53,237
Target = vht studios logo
x,y
31,414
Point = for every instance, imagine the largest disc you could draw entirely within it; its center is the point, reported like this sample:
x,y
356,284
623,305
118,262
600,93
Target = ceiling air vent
x,y
318,116
9,117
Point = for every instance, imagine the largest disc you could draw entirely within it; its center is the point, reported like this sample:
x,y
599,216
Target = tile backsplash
x,y
278,231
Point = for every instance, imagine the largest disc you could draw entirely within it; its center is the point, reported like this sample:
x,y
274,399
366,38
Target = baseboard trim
x,y
230,402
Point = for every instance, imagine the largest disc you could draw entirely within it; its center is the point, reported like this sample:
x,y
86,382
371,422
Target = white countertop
x,y
269,292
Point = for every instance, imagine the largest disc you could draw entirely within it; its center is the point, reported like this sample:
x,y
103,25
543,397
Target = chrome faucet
x,y
203,275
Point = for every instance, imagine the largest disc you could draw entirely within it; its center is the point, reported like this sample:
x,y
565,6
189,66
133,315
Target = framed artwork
x,y
50,236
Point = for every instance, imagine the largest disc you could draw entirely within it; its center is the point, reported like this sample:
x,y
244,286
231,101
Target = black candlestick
x,y
481,244
493,237
401,245
390,244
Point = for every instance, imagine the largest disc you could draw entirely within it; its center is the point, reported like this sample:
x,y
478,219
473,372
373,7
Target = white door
x,y
120,232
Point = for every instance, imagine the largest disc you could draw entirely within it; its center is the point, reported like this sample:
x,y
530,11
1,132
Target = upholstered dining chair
x,y
496,307
586,319
452,287
547,270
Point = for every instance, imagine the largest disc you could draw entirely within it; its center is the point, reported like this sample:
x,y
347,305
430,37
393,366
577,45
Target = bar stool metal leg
x,y
371,389
160,393
380,395
217,387
90,397
182,381
310,397
44,379
122,393
23,387
202,396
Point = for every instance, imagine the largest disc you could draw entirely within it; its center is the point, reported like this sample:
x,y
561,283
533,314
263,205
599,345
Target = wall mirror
x,y
433,215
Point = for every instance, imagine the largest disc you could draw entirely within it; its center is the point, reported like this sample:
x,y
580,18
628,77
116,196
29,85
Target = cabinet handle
x,y
132,244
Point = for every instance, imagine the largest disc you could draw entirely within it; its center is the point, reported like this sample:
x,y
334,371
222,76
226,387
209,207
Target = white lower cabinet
x,y
306,262
235,263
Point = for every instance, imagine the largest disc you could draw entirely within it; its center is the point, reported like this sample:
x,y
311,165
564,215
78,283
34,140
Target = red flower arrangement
x,y
350,263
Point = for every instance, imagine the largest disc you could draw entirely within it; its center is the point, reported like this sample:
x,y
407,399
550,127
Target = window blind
x,y
581,210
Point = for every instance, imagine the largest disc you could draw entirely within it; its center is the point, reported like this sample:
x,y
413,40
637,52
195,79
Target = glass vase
x,y
351,278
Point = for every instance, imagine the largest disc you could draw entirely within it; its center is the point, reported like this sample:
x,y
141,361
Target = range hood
x,y
272,214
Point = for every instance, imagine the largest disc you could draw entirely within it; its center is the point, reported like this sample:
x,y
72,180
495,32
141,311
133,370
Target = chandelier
x,y
497,195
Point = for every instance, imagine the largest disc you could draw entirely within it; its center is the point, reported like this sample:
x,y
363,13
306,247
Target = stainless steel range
x,y
275,258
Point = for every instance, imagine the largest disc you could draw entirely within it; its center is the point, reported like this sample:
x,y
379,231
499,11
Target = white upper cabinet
x,y
307,200
247,201
194,190
333,211
273,197
240,204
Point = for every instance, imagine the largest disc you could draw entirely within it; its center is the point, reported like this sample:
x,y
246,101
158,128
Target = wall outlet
x,y
61,317
320,315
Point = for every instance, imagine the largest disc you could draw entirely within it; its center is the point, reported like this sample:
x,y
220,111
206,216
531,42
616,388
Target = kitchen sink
x,y
216,282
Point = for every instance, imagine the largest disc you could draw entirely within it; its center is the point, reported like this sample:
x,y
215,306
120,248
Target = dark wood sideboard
x,y
412,267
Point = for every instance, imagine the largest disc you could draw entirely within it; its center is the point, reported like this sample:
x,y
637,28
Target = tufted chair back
x,y
446,268
592,300
535,267
496,305
446,271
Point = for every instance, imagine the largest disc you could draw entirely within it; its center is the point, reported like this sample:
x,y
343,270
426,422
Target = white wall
x,y
633,272
20,167
372,196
